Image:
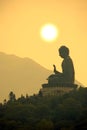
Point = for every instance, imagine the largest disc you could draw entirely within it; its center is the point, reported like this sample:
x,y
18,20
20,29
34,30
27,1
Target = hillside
x,y
21,75
66,112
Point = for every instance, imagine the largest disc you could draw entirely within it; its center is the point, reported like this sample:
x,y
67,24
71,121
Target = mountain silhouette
x,y
21,75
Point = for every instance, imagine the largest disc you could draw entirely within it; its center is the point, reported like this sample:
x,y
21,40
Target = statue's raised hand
x,y
54,66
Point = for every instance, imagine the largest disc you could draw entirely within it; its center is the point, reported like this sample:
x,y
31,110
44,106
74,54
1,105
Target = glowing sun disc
x,y
49,32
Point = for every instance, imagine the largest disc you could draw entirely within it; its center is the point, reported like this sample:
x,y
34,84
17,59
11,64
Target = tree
x,y
5,101
12,97
45,125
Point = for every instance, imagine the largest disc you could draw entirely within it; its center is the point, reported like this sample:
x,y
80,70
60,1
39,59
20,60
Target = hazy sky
x,y
20,23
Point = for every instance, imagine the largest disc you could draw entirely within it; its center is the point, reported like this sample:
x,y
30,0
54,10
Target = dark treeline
x,y
67,112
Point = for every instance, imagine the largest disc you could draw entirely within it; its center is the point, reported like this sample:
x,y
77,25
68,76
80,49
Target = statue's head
x,y
63,51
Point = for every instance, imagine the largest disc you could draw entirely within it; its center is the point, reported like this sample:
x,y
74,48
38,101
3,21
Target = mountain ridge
x,y
21,75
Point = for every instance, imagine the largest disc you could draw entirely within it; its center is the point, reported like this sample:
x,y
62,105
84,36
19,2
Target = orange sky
x,y
20,23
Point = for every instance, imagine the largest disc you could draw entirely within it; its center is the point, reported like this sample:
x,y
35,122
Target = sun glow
x,y
49,32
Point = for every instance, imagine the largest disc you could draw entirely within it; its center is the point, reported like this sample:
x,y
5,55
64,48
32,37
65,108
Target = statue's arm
x,y
55,71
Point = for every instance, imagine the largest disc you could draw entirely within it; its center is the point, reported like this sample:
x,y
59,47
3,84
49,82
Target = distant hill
x,y
20,75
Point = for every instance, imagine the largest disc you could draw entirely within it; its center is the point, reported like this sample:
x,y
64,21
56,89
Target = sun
x,y
49,32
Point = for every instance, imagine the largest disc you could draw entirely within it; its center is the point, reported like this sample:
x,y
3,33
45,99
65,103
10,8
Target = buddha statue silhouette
x,y
67,76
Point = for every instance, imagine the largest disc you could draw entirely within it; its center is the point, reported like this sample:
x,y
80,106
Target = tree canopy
x,y
36,112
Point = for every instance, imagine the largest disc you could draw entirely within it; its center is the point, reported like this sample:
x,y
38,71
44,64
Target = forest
x,y
36,112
